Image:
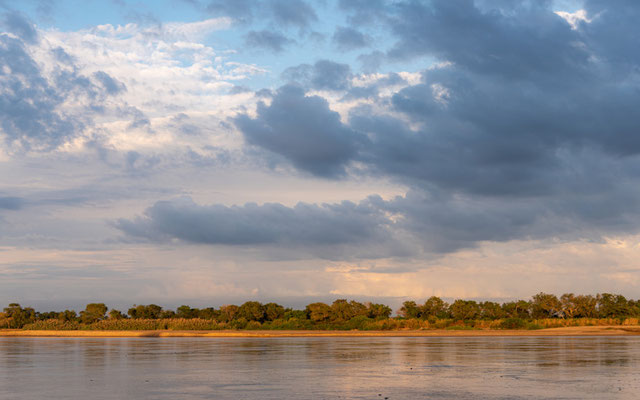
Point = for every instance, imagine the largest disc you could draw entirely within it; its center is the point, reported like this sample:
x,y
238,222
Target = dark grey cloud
x,y
323,75
28,104
11,203
272,224
111,85
304,130
282,13
522,42
19,25
296,13
365,12
527,130
268,40
371,62
31,102
347,38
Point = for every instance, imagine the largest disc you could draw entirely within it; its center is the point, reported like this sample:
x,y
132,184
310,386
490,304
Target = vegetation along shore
x,y
601,314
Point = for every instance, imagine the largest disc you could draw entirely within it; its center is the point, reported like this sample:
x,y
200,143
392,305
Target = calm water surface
x,y
320,368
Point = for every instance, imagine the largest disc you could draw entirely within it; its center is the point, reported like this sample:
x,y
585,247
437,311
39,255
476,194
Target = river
x,y
320,368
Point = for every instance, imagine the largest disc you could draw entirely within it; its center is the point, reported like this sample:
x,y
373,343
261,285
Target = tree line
x,y
341,314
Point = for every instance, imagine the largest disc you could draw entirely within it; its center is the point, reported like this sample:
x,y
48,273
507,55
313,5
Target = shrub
x,y
459,328
51,325
513,323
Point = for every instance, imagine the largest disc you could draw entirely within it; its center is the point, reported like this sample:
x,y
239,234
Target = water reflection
x,y
312,368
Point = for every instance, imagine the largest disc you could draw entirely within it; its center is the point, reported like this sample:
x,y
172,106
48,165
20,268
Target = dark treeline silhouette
x,y
543,310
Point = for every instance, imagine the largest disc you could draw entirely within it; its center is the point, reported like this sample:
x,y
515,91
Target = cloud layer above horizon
x,y
240,147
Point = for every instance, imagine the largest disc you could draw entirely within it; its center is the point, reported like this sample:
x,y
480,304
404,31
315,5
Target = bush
x,y
460,328
513,323
51,325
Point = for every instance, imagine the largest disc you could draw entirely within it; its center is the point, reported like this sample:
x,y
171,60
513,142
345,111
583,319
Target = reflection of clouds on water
x,y
312,368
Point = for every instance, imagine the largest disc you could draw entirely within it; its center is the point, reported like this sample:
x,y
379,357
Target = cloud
x,y
20,26
240,10
267,40
323,75
508,136
309,227
29,105
11,203
296,13
304,130
282,13
346,39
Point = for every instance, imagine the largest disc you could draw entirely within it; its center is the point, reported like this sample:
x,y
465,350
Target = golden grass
x,y
612,330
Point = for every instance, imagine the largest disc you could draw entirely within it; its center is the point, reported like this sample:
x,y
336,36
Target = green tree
x,y
318,312
378,311
42,316
434,308
151,311
490,310
208,313
409,309
464,310
228,312
517,309
613,306
186,312
68,316
569,305
93,312
586,306
343,310
251,311
273,311
544,305
18,316
116,314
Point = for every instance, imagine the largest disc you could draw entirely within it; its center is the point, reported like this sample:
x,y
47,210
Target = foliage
x,y
93,312
513,323
542,311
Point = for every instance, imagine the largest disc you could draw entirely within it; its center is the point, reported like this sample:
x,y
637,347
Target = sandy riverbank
x,y
568,331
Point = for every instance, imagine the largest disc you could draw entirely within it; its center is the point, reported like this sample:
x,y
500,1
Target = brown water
x,y
320,368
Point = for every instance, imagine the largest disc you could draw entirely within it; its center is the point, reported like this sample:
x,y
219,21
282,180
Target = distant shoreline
x,y
565,331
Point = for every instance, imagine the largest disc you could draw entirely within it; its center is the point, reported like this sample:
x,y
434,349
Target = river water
x,y
320,368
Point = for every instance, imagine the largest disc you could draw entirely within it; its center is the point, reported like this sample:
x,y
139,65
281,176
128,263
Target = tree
x,y
251,311
208,313
115,314
318,312
464,309
67,316
409,309
228,312
93,312
273,311
613,305
517,309
586,306
434,307
19,316
544,305
342,310
186,312
491,310
152,311
378,311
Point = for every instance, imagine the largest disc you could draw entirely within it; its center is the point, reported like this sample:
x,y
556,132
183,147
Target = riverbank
x,y
565,331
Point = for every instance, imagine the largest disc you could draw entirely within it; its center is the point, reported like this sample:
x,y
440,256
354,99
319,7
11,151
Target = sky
x,y
208,152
